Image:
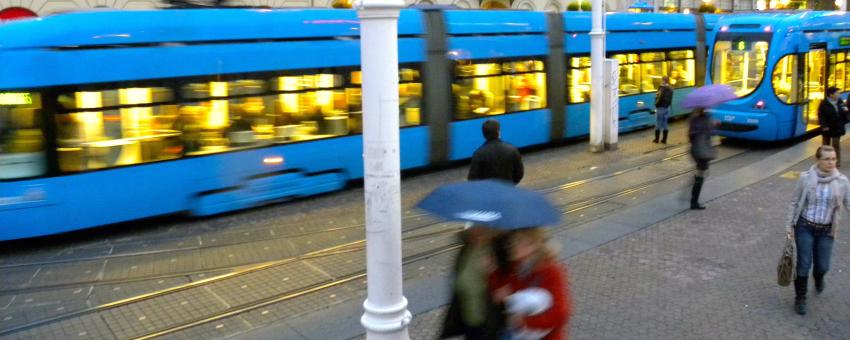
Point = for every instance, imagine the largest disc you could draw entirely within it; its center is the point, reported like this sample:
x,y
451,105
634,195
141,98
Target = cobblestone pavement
x,y
700,275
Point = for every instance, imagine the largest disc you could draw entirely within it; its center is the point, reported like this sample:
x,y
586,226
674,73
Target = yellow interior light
x,y
218,115
89,100
92,122
135,121
10,98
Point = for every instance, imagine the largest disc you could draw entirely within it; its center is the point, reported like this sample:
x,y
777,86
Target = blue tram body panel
x,y
520,129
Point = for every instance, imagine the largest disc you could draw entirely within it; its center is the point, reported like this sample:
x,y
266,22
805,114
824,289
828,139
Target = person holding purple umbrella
x,y
700,130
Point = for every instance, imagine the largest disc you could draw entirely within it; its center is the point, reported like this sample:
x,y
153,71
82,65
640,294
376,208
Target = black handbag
x,y
785,268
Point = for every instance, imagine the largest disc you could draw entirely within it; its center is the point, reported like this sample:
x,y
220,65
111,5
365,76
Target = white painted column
x,y
597,87
386,315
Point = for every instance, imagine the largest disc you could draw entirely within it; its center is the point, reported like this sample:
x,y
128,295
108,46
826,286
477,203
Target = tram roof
x,y
581,22
805,21
118,27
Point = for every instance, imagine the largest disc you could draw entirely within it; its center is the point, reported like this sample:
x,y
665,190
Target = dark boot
x,y
664,137
657,132
801,286
695,193
819,284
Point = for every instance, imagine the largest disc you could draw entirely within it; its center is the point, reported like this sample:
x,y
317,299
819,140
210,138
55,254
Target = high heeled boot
x,y
695,190
657,133
664,137
801,286
819,283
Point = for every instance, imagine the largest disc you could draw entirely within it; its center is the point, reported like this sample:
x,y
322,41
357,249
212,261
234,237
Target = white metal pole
x,y
385,309
597,65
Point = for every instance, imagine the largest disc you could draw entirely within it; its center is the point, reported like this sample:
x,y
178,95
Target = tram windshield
x,y
740,60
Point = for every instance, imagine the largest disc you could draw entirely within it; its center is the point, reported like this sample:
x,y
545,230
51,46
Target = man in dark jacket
x,y
495,159
663,100
832,115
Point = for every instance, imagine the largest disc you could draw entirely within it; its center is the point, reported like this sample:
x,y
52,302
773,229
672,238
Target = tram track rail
x,y
410,226
547,190
568,208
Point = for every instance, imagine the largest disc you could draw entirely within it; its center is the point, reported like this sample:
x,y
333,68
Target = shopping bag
x,y
785,269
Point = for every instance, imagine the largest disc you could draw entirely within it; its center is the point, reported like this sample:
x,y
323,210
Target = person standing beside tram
x,y
832,116
663,100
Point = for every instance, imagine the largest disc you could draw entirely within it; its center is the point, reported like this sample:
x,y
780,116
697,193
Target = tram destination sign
x,y
844,41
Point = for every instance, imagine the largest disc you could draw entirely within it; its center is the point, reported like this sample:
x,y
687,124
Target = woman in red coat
x,y
533,287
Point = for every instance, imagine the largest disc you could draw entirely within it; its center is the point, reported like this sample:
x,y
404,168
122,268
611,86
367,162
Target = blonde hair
x,y
540,236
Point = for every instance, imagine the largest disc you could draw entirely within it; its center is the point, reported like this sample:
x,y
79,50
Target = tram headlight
x,y
273,160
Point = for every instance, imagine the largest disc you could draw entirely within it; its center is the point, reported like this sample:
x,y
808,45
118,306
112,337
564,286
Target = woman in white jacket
x,y
815,213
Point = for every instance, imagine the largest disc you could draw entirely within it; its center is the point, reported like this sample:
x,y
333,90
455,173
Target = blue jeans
x,y
812,244
662,114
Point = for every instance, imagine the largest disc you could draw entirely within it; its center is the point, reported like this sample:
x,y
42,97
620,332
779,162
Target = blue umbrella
x,y
708,96
492,203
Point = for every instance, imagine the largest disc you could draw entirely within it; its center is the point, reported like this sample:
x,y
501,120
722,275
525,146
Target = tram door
x,y
814,84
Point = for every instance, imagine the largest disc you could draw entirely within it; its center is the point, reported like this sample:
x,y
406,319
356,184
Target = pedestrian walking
x,y
495,159
818,204
532,286
700,130
832,116
472,313
663,100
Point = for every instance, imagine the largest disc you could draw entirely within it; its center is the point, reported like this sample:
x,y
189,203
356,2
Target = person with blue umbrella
x,y
525,279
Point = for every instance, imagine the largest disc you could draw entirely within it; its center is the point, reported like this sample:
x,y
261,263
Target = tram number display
x,y
12,98
844,41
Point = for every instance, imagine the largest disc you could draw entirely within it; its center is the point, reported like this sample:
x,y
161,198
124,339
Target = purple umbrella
x,y
708,96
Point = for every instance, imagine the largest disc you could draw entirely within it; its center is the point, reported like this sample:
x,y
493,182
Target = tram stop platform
x,y
641,264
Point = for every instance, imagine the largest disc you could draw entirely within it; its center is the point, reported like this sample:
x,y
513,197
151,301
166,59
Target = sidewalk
x,y
700,274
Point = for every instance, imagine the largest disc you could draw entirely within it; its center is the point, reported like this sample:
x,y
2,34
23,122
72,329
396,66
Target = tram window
x,y
682,68
232,88
836,76
784,75
485,89
21,136
629,73
409,97
526,84
578,79
652,68
847,71
479,90
740,63
110,97
95,139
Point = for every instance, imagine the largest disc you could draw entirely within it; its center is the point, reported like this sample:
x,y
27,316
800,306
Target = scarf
x,y
819,176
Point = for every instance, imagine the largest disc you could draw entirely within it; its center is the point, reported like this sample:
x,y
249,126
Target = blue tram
x,y
779,66
119,115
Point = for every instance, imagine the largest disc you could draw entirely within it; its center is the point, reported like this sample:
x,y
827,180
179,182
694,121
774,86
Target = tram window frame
x,y
180,101
504,76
